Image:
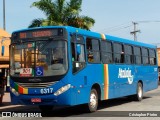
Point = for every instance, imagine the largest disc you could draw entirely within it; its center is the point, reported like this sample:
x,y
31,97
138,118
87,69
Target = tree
x,y
61,12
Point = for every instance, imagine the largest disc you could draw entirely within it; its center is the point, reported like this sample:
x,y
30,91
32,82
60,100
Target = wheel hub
x,y
93,100
140,92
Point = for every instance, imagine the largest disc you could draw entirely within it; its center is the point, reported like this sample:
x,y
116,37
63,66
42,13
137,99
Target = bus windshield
x,y
39,58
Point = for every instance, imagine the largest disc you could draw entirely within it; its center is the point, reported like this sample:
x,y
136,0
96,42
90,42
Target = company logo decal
x,y
126,73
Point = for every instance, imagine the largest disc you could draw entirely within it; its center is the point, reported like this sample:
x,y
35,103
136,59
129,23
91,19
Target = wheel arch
x,y
97,87
140,81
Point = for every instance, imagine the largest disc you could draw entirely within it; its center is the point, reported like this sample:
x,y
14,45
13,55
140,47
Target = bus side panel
x,y
148,75
85,79
153,73
121,80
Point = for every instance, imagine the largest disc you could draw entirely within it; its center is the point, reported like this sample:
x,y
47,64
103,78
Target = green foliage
x,y
60,12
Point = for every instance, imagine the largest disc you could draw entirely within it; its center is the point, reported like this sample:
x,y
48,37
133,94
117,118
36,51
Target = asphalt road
x,y
148,108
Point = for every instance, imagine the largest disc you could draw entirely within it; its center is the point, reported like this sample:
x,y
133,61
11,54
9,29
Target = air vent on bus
x,y
36,85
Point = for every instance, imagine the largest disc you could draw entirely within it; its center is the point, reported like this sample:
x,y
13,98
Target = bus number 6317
x,y
46,90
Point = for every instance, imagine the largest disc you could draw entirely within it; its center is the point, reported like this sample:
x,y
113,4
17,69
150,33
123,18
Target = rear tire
x,y
139,95
93,101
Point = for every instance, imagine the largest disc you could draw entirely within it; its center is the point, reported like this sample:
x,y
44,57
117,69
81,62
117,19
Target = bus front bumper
x,y
67,98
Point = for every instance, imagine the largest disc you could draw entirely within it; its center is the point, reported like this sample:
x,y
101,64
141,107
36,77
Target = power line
x,y
115,28
148,21
124,26
121,28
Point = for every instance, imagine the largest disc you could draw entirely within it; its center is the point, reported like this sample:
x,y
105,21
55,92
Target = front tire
x,y
93,101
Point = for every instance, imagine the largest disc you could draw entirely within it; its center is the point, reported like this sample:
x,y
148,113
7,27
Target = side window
x,y
152,57
77,51
118,53
128,54
93,51
145,56
137,55
106,52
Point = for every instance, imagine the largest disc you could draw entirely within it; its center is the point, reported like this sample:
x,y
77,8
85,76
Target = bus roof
x,y
113,38
94,34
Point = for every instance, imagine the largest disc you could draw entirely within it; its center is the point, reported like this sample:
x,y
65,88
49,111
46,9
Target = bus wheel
x,y
46,108
93,101
139,94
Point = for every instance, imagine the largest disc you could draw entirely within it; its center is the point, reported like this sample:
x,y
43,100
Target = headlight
x,y
14,91
62,89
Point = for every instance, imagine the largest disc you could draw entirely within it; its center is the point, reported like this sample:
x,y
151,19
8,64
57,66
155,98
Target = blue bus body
x,y
111,80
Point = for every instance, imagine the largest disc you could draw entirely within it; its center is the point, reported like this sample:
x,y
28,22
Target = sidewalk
x,y
6,104
6,99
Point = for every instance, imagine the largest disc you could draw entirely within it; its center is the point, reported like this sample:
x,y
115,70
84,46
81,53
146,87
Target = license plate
x,y
36,100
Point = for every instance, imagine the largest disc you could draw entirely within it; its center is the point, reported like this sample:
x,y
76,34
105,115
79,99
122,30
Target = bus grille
x,y
36,85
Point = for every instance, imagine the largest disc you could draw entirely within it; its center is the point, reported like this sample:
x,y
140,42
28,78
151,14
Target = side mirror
x,y
78,49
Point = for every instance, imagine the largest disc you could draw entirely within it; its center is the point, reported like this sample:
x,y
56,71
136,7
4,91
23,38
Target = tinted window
x,y
137,55
93,51
106,52
128,50
145,56
152,57
118,53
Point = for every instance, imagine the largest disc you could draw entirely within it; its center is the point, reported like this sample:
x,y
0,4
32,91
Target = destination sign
x,y
44,33
38,33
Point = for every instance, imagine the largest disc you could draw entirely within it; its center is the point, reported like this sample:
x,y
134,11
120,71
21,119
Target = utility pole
x,y
134,32
4,16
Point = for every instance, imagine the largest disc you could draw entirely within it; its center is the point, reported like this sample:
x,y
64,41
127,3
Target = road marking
x,y
10,106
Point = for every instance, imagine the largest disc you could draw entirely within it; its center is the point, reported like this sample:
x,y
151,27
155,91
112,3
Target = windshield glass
x,y
40,58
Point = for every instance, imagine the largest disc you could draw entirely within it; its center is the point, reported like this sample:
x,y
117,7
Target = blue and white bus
x,y
62,65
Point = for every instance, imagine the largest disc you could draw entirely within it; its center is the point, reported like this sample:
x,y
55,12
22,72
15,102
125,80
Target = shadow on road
x,y
117,102
69,111
5,104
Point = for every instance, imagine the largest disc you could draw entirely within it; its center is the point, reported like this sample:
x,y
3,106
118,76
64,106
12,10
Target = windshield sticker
x,y
26,72
126,73
39,71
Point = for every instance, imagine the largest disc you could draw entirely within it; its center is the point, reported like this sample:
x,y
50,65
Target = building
x,y
4,41
4,60
158,53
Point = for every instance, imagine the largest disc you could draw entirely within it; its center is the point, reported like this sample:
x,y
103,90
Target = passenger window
x,y
93,51
145,58
128,54
152,57
106,52
118,53
137,55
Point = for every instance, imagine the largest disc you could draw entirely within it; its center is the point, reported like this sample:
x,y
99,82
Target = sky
x,y
112,17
